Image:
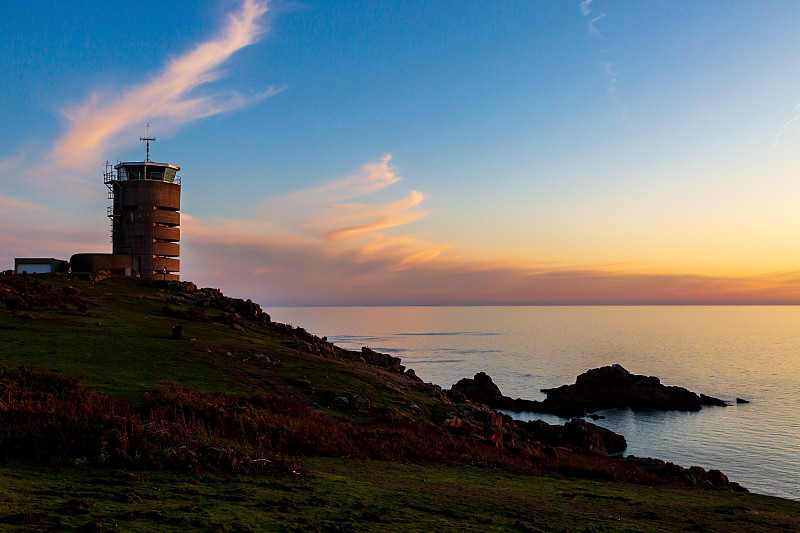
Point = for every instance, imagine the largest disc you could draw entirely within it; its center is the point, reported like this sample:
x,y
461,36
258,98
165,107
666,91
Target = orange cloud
x,y
282,270
165,100
369,178
318,251
326,217
354,220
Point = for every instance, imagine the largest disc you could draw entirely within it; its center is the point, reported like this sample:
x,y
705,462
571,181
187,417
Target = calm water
x,y
749,352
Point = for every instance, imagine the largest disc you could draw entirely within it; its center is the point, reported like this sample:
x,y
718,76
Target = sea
x,y
748,352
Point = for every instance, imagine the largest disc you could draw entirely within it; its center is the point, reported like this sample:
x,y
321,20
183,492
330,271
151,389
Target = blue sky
x,y
421,152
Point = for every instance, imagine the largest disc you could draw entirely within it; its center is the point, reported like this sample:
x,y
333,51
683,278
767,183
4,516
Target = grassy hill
x,y
107,422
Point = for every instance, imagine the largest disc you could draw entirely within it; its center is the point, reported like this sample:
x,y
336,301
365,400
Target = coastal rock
x,y
608,387
480,422
613,387
481,389
575,434
214,298
694,477
372,357
413,375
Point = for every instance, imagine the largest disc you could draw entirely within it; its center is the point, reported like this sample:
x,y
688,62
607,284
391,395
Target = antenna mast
x,y
147,139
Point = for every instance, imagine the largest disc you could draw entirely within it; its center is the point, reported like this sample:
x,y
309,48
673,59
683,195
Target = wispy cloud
x,y
369,178
785,128
276,270
338,216
362,252
606,65
8,203
611,74
592,26
352,220
167,100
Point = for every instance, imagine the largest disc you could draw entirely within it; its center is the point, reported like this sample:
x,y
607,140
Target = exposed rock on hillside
x,y
694,477
576,433
22,292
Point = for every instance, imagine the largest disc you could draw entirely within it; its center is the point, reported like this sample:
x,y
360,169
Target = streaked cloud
x,y
369,178
326,217
354,220
611,75
168,100
8,203
276,270
606,65
592,26
362,253
785,128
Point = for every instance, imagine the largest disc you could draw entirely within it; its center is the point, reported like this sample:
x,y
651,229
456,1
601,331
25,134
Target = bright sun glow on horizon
x,y
544,153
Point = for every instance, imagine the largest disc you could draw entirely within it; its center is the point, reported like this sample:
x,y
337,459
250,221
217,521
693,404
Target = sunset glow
x,y
588,152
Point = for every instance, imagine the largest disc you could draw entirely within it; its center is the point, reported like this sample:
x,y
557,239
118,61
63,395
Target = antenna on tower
x,y
148,139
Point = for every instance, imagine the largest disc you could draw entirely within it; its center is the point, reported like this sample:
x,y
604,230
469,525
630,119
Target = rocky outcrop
x,y
479,421
244,308
482,389
372,357
613,387
694,477
197,315
608,387
22,293
576,433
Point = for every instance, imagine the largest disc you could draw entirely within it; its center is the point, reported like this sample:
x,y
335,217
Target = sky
x,y
493,152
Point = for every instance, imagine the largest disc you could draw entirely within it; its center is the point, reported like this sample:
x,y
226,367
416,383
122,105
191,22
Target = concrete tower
x,y
144,215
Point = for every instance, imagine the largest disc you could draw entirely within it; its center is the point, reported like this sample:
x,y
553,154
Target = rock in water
x,y
613,387
608,387
481,389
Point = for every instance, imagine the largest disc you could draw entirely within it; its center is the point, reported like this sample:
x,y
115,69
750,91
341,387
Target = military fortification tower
x,y
145,222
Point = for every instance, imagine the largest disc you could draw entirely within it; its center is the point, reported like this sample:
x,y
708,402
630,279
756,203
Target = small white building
x,y
39,265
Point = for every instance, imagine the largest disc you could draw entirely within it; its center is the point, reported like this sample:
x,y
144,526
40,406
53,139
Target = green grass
x,y
349,495
123,347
